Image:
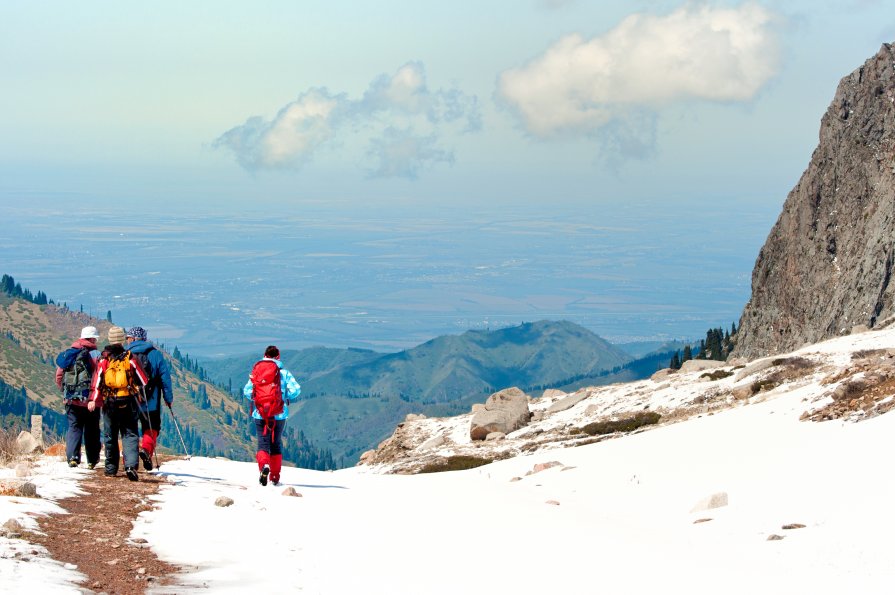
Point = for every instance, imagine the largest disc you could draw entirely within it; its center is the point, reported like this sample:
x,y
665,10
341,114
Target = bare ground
x,y
96,535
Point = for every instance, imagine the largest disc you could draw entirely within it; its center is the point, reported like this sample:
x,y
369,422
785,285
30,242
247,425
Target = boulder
x,y
414,417
366,457
495,436
742,391
567,402
23,470
290,491
223,501
552,393
27,490
698,365
26,443
12,527
505,411
756,366
661,375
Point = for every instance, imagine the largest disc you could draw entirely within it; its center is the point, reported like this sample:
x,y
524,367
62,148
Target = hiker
x,y
270,387
74,370
156,367
116,383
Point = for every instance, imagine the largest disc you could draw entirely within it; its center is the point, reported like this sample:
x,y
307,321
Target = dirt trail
x,y
95,535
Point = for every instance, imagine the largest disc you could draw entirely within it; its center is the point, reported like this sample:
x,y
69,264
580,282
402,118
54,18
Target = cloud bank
x,y
402,119
606,84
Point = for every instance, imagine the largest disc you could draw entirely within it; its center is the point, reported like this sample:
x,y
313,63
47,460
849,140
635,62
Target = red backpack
x,y
267,395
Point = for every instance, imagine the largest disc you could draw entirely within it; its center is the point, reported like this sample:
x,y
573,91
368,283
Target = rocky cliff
x,y
826,266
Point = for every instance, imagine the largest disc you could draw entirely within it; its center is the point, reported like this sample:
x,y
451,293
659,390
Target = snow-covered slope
x,y
623,515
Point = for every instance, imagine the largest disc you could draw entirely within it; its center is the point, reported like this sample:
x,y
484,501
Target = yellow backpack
x,y
118,376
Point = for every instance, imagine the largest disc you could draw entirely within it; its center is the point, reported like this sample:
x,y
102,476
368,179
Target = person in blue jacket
x,y
270,433
159,387
74,370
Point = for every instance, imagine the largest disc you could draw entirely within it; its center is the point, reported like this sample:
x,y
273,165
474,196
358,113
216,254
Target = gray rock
x,y
27,490
753,368
699,365
743,391
505,411
662,374
716,500
223,501
495,436
13,527
552,393
290,491
414,417
827,263
23,470
567,402
26,443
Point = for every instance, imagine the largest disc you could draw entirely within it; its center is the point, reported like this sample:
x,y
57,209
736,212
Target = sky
x,y
214,104
631,116
625,515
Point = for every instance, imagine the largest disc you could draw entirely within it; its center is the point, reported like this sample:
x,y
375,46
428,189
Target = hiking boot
x,y
132,473
91,466
264,473
108,473
275,480
147,460
73,463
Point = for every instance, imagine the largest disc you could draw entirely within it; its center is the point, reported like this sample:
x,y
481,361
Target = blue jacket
x,y
291,390
159,375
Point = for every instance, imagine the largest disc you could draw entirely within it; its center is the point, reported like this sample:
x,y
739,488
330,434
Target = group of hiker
x,y
125,386
127,382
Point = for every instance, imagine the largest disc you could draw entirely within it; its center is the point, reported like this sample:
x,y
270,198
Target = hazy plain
x,y
230,280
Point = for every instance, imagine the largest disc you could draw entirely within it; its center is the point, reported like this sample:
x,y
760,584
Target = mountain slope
x,y
827,264
352,399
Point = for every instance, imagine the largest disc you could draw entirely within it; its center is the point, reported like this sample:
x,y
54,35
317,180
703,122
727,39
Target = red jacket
x,y
98,383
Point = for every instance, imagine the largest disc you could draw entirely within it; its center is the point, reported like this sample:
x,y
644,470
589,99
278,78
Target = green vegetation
x,y
9,286
717,345
455,463
629,424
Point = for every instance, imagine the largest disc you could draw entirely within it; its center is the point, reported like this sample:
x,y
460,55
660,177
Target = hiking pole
x,y
177,427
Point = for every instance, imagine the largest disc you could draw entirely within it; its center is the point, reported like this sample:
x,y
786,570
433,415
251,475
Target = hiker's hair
x,y
272,351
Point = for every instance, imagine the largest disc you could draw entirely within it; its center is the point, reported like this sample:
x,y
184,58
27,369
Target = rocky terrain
x,y
854,386
826,266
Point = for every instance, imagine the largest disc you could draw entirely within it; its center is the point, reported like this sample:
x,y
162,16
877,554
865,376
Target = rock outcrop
x,y
826,266
504,412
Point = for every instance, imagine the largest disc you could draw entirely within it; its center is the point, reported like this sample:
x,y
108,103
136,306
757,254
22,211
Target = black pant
x,y
120,418
271,440
83,425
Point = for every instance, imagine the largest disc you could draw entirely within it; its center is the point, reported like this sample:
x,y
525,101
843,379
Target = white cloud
x,y
580,86
290,138
400,153
389,109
